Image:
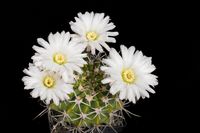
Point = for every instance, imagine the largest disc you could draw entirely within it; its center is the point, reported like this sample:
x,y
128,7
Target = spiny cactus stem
x,y
91,108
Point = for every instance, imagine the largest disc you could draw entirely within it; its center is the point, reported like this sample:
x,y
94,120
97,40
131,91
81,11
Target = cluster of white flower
x,y
59,60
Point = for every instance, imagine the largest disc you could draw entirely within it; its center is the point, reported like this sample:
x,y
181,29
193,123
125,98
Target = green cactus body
x,y
91,104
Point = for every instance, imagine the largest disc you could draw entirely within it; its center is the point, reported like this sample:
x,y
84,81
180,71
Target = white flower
x,y
60,55
46,84
93,30
130,74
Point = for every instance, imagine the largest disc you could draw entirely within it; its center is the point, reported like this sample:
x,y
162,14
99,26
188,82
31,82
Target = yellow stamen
x,y
49,82
59,58
92,36
128,76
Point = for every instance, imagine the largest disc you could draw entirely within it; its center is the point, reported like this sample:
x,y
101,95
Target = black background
x,y
166,32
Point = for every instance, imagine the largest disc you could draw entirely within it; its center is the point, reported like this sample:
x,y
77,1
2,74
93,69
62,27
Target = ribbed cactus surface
x,y
91,104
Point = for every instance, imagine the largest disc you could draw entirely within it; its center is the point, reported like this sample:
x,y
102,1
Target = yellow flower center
x,y
128,76
59,58
92,36
49,81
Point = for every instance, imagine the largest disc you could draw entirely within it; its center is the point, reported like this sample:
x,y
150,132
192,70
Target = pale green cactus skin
x,y
91,104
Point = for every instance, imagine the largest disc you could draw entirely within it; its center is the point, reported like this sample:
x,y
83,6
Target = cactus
x,y
94,101
91,106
